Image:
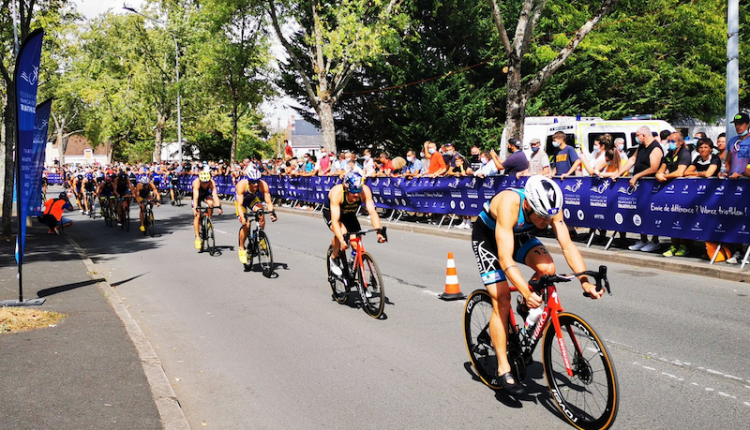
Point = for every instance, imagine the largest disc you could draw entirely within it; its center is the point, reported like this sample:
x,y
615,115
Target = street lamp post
x,y
177,70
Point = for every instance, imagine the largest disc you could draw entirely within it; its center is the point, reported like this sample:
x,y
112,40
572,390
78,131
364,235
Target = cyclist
x,y
173,181
340,214
502,236
89,186
78,191
123,190
249,191
143,192
106,190
204,190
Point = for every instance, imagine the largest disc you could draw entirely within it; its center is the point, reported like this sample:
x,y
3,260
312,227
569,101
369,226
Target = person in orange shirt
x,y
437,164
53,211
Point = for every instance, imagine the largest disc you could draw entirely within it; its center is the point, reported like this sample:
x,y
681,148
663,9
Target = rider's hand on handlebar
x,y
381,238
533,300
590,288
273,216
343,245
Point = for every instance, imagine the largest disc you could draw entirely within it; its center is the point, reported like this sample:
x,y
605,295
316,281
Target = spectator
x,y
645,163
596,159
310,167
458,169
721,151
474,163
437,165
398,164
739,147
612,164
368,165
488,168
288,151
424,160
705,165
566,160
324,165
52,215
675,164
539,162
516,163
413,165
619,145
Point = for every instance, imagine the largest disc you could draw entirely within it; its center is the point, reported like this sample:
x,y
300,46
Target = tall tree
x,y
519,91
334,39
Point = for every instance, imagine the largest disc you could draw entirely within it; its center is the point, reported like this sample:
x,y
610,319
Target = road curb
x,y
170,411
638,259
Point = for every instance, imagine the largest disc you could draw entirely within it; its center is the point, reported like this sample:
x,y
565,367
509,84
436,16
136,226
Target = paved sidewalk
x,y
83,374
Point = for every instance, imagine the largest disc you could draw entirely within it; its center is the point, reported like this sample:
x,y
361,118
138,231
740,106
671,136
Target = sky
x,y
277,111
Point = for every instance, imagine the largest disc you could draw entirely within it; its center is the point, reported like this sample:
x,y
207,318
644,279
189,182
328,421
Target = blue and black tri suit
x,y
485,247
249,200
347,213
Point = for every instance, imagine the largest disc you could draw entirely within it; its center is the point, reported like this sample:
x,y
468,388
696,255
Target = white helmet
x,y
544,196
252,173
144,180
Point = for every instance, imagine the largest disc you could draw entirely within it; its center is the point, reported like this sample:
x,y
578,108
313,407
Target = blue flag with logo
x,y
26,78
38,151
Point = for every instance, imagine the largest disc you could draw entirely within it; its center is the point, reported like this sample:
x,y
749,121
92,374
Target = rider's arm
x,y
335,197
572,255
156,192
196,187
370,206
215,195
239,198
267,197
508,203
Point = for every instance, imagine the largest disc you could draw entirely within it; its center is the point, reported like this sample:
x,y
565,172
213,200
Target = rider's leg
x,y
243,235
143,208
539,259
500,293
336,244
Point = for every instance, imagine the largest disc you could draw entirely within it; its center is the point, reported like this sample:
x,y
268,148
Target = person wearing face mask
x,y
676,162
596,158
739,147
368,165
474,163
619,145
516,163
437,165
488,167
645,163
539,161
566,160
413,165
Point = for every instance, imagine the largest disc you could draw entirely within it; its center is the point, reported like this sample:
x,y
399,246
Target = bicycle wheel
x,y
588,399
265,255
339,287
126,217
149,219
210,243
477,313
372,284
249,250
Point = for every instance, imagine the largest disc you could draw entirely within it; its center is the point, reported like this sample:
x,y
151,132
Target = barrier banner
x,y
702,209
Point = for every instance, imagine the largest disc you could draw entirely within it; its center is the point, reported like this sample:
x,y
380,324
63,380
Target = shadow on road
x,y
67,287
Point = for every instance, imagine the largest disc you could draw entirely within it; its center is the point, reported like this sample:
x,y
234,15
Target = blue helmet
x,y
353,182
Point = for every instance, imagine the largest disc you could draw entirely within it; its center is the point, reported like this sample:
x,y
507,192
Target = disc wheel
x,y
339,287
477,313
372,283
589,399
265,255
210,242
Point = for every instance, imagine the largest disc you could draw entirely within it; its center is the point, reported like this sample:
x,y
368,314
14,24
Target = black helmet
x,y
63,196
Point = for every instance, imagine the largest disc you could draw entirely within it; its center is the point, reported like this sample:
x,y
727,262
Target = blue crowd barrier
x,y
689,208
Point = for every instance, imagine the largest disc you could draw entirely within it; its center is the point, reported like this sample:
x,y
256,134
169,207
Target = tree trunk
x,y
62,144
516,104
325,113
233,150
6,159
157,144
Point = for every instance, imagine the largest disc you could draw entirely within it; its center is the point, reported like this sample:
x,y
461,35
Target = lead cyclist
x,y
503,236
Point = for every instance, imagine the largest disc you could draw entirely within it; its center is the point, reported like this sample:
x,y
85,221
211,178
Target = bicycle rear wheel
x,y
372,284
339,287
210,243
589,399
265,255
477,313
149,219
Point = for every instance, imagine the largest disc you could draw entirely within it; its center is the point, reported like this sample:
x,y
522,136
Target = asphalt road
x,y
246,352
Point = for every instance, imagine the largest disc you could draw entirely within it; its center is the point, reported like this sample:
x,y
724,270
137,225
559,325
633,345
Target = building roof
x,y
77,144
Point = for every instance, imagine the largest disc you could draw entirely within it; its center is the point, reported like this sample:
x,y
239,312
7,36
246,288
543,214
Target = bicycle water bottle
x,y
533,317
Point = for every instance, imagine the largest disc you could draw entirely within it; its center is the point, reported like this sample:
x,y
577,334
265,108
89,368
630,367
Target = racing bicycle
x,y
148,218
577,365
125,212
91,203
361,272
258,245
206,230
108,210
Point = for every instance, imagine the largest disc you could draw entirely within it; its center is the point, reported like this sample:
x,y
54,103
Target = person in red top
x,y
288,149
437,164
53,211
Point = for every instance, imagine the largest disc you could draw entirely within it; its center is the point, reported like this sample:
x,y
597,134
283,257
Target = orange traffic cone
x,y
452,289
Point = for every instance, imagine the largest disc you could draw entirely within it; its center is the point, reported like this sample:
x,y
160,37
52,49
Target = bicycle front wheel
x,y
477,313
372,285
210,243
589,398
339,287
265,255
149,218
